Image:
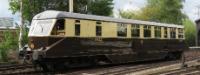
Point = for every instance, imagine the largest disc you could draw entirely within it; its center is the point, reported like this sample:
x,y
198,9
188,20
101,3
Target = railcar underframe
x,y
107,50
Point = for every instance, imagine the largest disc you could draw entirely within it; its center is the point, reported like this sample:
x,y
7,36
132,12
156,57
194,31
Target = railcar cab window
x,y
122,30
59,27
165,32
180,33
157,32
60,24
135,30
147,31
77,28
98,29
173,33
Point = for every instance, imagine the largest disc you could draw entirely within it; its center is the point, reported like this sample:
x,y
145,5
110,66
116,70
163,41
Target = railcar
x,y
58,37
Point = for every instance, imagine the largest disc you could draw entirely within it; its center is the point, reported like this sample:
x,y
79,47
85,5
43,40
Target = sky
x,y
5,12
190,8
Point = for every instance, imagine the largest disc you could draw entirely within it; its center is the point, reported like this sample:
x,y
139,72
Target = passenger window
x,y
98,29
77,28
180,33
157,32
135,30
173,33
165,32
147,31
121,30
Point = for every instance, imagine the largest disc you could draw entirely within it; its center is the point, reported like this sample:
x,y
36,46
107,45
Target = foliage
x,y
165,11
101,7
10,42
32,7
190,32
128,14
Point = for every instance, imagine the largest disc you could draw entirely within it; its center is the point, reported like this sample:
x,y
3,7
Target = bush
x,y
10,42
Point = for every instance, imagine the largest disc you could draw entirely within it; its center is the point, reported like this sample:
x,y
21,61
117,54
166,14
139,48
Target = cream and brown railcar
x,y
74,38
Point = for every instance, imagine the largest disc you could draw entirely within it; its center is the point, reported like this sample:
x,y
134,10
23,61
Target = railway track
x,y
194,70
15,68
150,68
122,69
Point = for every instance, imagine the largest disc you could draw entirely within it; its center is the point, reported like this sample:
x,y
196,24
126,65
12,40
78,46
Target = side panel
x,y
129,30
152,31
176,33
109,29
69,27
88,28
168,33
141,31
162,32
91,28
84,28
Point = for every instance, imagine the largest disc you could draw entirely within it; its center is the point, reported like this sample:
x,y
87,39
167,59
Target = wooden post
x,y
71,4
183,64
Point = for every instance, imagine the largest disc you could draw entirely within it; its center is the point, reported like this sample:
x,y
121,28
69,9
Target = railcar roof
x,y
51,14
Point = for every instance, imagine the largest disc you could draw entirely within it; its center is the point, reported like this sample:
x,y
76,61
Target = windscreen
x,y
41,27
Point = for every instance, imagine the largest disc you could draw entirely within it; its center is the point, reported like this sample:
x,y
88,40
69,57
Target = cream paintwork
x,y
152,31
177,33
109,29
141,31
162,33
69,27
88,28
128,30
168,33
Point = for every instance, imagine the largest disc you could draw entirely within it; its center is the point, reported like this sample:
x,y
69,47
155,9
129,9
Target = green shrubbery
x,y
9,45
190,32
10,42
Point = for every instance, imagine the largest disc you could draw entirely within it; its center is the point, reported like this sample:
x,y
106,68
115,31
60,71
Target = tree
x,y
165,11
101,7
190,32
32,7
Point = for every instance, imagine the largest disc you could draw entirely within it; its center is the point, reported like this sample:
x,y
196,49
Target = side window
x,y
98,29
165,32
60,24
173,33
121,30
135,30
59,27
180,33
77,28
157,32
147,31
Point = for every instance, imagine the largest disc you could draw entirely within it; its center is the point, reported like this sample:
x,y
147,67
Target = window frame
x,y
77,24
135,28
180,33
165,32
123,32
147,28
157,30
98,27
173,33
